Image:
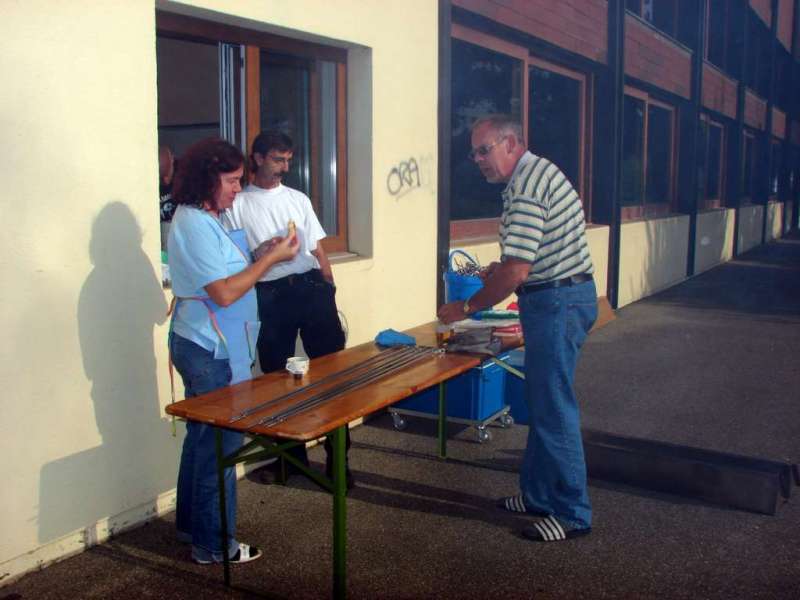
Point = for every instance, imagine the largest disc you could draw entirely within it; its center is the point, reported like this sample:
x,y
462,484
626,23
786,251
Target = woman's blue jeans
x,y
555,322
197,516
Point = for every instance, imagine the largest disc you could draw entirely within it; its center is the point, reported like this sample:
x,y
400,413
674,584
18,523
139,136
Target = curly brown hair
x,y
198,174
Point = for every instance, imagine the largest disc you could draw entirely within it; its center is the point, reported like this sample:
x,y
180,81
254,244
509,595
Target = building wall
x,y
751,219
714,242
785,21
755,110
87,371
653,57
778,123
774,220
719,91
576,25
653,256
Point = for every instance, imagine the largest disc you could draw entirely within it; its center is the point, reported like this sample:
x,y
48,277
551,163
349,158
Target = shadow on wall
x,y
119,305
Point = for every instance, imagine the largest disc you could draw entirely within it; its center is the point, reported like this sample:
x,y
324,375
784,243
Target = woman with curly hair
x,y
214,322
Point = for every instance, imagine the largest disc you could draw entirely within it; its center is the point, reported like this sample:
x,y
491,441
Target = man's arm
x,y
504,278
324,263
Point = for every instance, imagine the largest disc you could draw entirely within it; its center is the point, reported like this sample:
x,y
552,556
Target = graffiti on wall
x,y
410,175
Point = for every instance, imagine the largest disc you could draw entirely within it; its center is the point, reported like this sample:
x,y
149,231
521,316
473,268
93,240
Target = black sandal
x,y
550,530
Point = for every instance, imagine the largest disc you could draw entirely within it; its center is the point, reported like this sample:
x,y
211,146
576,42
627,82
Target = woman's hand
x,y
279,249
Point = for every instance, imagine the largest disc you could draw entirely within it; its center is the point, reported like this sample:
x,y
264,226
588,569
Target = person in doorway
x,y
297,296
545,259
166,169
212,279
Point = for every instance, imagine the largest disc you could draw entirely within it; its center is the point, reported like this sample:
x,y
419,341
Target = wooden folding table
x,y
247,407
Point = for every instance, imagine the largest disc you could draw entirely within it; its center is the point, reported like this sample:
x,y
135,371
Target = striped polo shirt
x,y
543,221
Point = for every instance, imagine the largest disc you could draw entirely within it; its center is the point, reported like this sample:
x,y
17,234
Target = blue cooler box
x,y
475,395
515,387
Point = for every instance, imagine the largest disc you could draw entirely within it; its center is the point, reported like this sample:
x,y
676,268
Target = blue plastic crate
x,y
475,395
515,387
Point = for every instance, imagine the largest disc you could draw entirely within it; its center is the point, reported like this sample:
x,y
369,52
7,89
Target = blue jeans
x,y
197,516
555,322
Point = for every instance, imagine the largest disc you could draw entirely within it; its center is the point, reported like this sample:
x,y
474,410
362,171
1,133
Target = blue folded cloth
x,y
390,337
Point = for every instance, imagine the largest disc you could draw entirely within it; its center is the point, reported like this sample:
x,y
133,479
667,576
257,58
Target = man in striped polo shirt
x,y
545,259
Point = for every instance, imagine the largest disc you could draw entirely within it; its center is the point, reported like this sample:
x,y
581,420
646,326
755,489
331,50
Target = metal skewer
x,y
376,360
355,383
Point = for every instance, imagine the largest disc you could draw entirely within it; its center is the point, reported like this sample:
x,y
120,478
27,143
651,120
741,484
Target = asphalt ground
x,y
711,363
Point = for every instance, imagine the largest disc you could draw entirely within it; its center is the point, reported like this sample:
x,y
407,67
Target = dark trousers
x,y
302,303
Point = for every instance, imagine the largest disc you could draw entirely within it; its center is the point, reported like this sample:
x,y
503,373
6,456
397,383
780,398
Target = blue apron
x,y
236,324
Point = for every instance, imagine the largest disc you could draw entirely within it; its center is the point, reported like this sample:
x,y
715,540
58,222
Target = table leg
x,y
442,420
339,514
222,512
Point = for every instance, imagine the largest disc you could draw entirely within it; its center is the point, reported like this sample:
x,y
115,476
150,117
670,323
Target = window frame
x,y
648,210
194,29
706,203
476,229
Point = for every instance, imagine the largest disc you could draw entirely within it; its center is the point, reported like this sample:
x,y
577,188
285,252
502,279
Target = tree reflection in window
x,y
483,82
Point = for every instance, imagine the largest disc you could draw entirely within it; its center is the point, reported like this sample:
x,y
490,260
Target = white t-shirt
x,y
265,214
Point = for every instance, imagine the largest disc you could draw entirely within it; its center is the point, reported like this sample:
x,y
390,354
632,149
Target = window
x,y
716,34
299,97
490,75
757,59
748,165
648,156
709,164
484,81
776,155
662,14
261,81
556,119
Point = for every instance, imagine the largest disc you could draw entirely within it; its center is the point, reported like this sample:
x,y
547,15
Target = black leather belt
x,y
528,288
312,276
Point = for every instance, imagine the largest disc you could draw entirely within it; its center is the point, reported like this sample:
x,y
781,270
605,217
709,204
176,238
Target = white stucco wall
x,y
751,220
86,375
714,240
653,256
774,220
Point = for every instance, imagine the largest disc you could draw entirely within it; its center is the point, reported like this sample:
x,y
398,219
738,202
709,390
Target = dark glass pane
x,y
714,161
753,50
662,14
747,168
633,152
554,120
483,82
774,168
702,161
716,32
687,22
285,107
658,189
634,6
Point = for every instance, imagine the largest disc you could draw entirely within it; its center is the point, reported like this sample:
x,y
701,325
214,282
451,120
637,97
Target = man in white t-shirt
x,y
296,296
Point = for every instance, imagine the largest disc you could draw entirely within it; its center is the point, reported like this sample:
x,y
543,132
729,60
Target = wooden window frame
x,y
477,229
648,210
194,29
711,203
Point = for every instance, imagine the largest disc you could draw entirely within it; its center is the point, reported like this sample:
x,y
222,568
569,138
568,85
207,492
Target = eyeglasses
x,y
484,150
